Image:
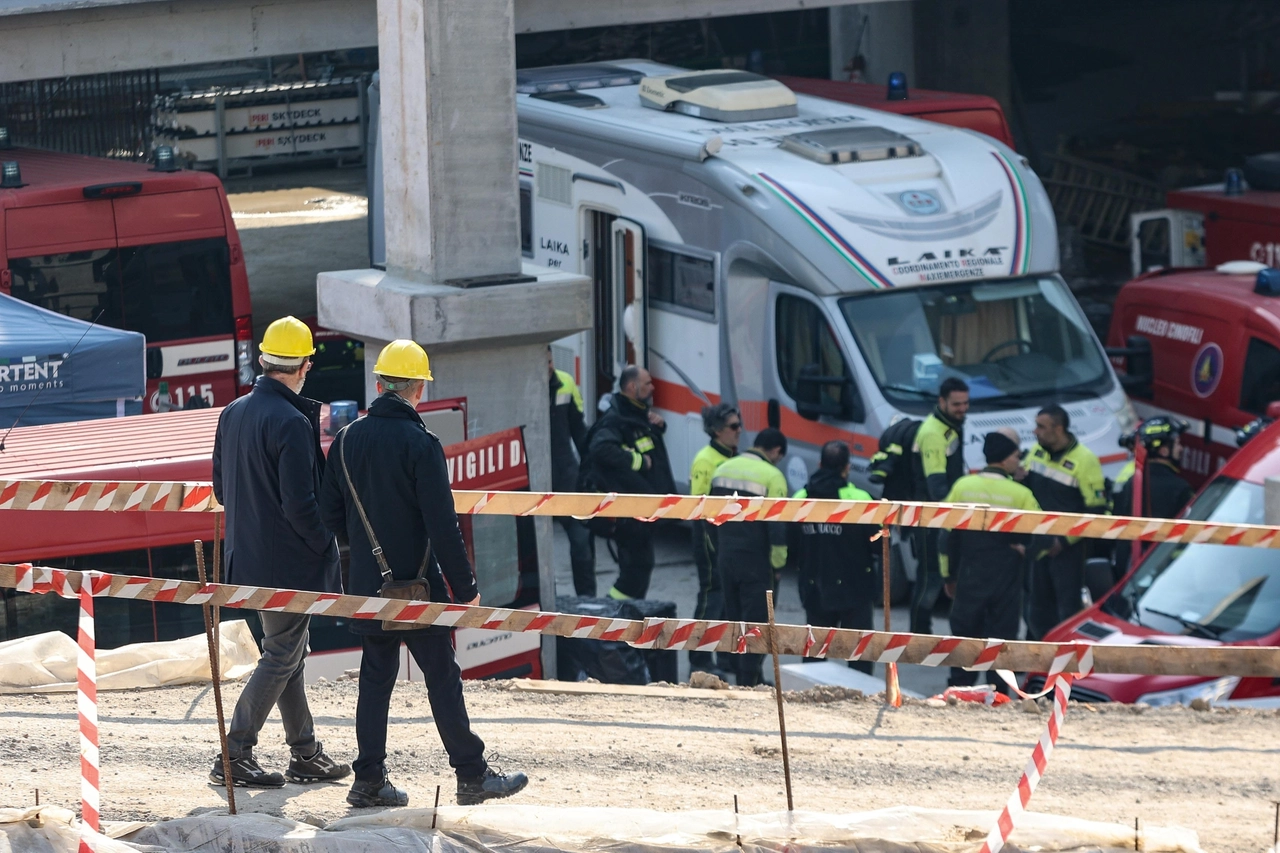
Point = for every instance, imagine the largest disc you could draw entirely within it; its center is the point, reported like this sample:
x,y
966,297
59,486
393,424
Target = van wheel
x,y
1262,171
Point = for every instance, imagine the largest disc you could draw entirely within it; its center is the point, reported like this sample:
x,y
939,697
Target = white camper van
x,y
821,265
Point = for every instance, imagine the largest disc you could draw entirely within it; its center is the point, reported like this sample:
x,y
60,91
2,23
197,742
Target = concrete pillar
x,y
454,281
963,46
882,32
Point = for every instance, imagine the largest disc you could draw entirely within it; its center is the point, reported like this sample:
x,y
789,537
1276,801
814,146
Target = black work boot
x,y
491,786
245,773
318,768
367,795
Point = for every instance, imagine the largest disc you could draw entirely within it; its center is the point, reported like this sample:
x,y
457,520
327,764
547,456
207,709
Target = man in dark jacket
x,y
569,434
627,455
750,553
837,584
398,473
267,467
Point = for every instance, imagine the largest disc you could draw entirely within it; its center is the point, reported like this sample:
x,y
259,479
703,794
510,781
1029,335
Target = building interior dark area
x,y
1114,103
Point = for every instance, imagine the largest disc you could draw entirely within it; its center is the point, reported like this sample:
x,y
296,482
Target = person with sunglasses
x,y
723,424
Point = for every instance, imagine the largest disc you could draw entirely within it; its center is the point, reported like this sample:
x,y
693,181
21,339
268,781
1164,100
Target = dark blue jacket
x,y
398,468
267,468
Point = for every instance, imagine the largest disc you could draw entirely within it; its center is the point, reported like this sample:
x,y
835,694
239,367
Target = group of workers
x,y
997,581
385,491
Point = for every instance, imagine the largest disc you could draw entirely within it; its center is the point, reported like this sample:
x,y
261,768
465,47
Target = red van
x,y
972,112
1208,342
150,251
1203,595
179,446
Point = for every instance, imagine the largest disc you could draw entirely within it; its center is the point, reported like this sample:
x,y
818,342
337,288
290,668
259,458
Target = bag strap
x,y
385,569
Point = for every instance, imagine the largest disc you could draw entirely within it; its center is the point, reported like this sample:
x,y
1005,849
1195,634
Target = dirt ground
x,y
1214,772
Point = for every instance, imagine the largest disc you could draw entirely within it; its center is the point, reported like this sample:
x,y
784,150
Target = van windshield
x,y
1219,592
1022,342
166,291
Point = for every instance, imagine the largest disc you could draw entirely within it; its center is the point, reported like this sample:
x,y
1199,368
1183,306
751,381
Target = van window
x,y
1261,382
77,284
681,279
526,220
166,291
803,338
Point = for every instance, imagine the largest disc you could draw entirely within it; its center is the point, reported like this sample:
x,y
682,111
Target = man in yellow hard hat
x,y
267,469
387,486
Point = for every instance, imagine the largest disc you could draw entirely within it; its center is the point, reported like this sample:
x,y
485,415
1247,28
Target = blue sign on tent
x,y
58,368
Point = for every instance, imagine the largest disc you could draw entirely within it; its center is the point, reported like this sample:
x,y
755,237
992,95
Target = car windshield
x,y
1022,342
1222,592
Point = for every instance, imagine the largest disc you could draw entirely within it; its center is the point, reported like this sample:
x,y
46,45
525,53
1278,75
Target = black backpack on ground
x,y
891,467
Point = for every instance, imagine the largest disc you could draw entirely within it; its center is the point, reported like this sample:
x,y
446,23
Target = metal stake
x,y
38,798
436,809
1275,843
885,557
735,819
1135,834
777,692
215,671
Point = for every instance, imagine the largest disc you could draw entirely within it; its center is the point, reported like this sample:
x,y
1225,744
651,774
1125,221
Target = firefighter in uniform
x,y
750,552
1064,476
837,583
985,576
938,452
723,424
387,488
569,434
626,454
1164,491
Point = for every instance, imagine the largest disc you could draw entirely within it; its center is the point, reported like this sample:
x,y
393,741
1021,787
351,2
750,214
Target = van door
x,y
614,254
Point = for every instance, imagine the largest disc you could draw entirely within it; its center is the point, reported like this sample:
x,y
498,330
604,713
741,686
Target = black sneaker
x,y
367,795
318,768
245,773
492,785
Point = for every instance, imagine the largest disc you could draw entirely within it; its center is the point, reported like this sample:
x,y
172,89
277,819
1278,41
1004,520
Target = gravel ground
x,y
1213,772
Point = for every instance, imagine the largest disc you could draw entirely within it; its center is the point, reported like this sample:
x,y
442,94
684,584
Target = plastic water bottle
x,y
164,403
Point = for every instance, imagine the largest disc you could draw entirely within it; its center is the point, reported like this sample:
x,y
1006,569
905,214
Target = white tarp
x,y
46,663
538,829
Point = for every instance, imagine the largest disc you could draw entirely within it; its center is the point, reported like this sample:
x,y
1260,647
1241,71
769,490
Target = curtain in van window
x,y
966,338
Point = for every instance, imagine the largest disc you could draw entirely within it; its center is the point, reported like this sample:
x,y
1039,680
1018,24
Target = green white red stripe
x,y
1020,262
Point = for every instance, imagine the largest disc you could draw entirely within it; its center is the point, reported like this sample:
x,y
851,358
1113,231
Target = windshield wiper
x,y
1207,631
919,392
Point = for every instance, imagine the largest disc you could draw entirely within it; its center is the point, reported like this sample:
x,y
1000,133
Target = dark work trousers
x,y
988,604
1055,589
635,557
710,602
379,665
582,555
928,585
857,617
744,601
276,681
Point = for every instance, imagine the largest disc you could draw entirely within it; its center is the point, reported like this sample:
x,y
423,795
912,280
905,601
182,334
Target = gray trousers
x,y
276,682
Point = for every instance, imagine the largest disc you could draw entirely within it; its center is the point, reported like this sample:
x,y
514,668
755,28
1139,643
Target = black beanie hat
x,y
997,447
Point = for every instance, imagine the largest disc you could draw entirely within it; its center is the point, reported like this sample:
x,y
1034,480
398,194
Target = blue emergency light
x,y
164,159
1233,182
11,175
1268,282
5,142
897,87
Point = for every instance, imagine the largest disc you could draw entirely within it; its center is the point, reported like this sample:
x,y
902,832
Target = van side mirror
x,y
835,396
1139,367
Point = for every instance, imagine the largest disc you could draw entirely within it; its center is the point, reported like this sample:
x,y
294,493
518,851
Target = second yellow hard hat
x,y
403,360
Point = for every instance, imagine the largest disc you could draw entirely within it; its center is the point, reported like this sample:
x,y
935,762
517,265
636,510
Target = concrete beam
x,y
61,38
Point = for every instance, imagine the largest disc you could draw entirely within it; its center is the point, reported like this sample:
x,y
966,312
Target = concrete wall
x,y
59,38
887,40
963,46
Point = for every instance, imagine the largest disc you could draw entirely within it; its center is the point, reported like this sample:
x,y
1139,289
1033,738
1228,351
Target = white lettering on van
x,y
1168,329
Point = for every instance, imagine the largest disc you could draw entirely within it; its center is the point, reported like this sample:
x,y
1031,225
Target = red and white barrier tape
x,y
198,497
87,705
672,634
1060,683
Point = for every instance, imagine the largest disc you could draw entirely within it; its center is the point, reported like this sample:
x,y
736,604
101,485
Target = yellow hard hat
x,y
288,338
403,360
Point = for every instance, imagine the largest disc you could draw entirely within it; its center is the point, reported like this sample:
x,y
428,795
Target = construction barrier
x,y
99,496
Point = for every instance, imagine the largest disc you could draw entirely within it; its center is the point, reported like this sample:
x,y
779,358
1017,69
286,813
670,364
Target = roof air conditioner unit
x,y
719,95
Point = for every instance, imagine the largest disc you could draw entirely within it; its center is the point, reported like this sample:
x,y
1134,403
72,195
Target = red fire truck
x,y
138,248
179,446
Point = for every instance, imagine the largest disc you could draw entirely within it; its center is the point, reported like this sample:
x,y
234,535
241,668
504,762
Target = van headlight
x,y
1214,691
1127,417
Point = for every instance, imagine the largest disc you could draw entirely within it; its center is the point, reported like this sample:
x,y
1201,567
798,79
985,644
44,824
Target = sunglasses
x,y
735,427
